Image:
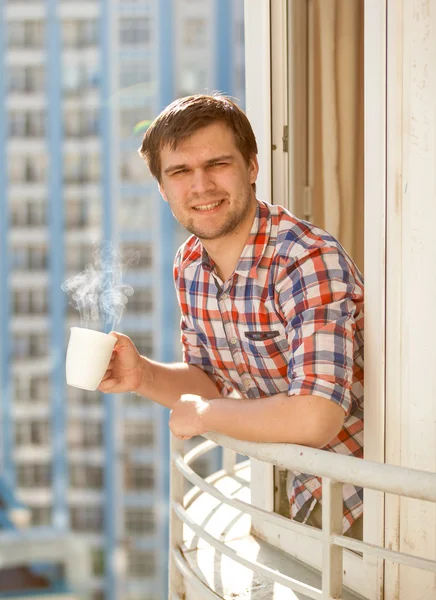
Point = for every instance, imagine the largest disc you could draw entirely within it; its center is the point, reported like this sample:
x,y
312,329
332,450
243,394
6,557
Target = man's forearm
x,y
165,383
307,420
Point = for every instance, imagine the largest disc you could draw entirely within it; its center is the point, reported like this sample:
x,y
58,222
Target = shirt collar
x,y
255,245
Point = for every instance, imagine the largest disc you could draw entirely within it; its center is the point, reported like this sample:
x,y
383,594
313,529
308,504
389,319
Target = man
x,y
272,306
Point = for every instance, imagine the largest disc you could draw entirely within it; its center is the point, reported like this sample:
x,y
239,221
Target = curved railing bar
x,y
398,557
199,450
294,526
333,468
271,574
192,577
382,477
273,518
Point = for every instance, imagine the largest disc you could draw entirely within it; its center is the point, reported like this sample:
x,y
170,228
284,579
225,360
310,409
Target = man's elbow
x,y
326,426
323,437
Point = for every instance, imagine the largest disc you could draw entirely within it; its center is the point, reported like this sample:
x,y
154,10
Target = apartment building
x,y
80,81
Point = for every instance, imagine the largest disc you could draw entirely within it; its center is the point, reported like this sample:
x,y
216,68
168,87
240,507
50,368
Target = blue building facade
x,y
81,81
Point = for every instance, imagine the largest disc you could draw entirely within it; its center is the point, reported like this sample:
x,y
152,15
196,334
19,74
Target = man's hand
x,y
126,368
187,416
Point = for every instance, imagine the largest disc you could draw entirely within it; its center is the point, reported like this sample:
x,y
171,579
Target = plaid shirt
x,y
288,320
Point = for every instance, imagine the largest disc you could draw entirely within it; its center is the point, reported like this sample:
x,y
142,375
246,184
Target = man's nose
x,y
202,181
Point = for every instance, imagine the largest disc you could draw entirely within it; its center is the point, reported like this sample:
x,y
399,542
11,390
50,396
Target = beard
x,y
240,209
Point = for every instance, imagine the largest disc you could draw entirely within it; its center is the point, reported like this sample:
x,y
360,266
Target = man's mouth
x,y
206,207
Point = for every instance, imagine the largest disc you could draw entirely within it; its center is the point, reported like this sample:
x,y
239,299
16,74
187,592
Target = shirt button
x,y
233,340
224,296
247,383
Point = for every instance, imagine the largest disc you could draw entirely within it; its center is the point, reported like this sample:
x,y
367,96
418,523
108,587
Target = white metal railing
x,y
334,469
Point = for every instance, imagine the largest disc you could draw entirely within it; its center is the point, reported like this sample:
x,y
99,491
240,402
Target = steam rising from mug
x,y
98,292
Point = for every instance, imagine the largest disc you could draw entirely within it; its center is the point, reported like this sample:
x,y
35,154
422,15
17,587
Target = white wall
x,y
411,282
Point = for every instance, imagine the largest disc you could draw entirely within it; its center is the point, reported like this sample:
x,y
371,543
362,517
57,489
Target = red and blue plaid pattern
x,y
289,319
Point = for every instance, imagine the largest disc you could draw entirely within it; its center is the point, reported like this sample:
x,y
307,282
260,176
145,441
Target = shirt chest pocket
x,y
263,342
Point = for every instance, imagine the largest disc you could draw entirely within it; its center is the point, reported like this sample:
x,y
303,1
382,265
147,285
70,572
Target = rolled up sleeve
x,y
318,296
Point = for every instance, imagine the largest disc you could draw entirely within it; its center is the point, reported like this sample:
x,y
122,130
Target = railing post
x,y
176,584
229,460
332,514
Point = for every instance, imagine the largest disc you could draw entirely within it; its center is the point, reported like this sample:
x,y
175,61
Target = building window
x,y
98,562
26,80
135,31
138,434
41,515
37,258
33,345
34,476
86,476
136,212
17,124
143,341
28,213
33,388
79,76
27,169
141,302
82,168
80,33
38,345
145,250
81,123
27,124
29,258
85,434
140,521
25,34
32,302
83,398
32,433
76,216
134,72
194,32
39,387
141,563
139,477
77,258
36,213
86,519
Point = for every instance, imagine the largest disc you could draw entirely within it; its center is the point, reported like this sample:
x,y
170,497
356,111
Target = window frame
x,y
266,62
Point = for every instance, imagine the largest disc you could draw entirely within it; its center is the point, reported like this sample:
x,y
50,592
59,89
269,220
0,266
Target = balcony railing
x,y
334,469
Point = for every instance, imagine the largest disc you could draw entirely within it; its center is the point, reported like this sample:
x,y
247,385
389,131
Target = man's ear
x,y
254,168
162,193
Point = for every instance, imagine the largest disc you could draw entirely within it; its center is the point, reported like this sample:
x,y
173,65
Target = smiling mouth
x,y
206,207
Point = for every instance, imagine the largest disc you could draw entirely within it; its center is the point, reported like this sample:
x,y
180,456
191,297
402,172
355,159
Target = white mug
x,y
88,356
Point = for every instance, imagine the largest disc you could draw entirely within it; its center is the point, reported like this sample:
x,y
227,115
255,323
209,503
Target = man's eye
x,y
218,164
179,171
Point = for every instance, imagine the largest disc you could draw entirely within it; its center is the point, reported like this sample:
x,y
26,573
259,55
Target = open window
x,y
309,79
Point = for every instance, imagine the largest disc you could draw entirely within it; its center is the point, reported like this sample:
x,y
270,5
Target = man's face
x,y
207,183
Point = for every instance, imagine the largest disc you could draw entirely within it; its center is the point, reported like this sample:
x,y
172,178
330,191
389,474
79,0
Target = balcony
x,y
33,563
217,541
37,561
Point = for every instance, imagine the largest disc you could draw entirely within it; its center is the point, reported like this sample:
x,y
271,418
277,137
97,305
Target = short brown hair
x,y
183,117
